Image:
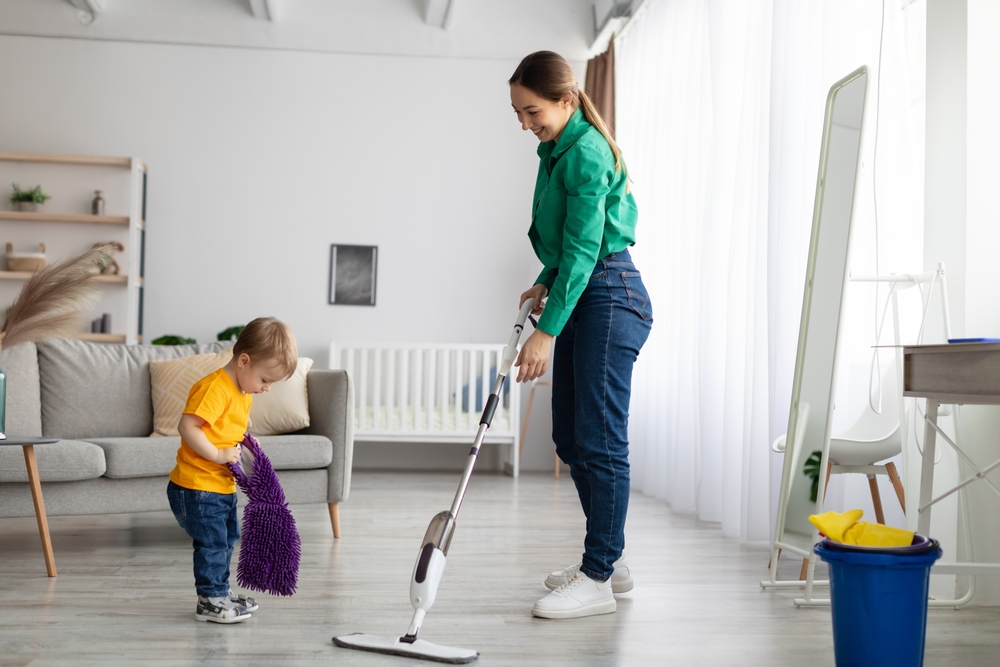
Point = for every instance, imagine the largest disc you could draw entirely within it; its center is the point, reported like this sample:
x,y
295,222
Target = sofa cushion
x,y
285,408
138,457
154,457
297,452
24,400
171,381
63,461
94,390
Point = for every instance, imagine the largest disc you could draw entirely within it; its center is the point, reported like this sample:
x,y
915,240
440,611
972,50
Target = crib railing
x,y
421,392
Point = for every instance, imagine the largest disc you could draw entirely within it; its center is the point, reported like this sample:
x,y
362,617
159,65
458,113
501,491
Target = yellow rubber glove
x,y
845,528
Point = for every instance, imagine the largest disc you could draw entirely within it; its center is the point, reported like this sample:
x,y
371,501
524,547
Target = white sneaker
x,y
621,578
580,596
219,610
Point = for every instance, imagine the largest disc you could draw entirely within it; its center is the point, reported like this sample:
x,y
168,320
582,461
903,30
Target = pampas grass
x,y
52,300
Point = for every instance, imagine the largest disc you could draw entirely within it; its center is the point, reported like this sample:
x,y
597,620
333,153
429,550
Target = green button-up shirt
x,y
581,214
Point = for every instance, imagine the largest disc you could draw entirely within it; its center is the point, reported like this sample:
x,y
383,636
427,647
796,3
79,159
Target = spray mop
x,y
431,558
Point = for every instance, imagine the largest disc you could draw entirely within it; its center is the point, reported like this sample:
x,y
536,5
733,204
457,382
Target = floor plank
x,y
125,595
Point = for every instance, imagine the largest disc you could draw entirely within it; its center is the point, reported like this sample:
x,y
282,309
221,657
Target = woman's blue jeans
x,y
210,519
591,388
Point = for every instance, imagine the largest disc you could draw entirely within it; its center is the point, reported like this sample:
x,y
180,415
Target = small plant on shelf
x,y
230,334
28,200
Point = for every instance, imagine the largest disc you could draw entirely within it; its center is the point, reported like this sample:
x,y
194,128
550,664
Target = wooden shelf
x,y
99,160
101,278
65,217
99,337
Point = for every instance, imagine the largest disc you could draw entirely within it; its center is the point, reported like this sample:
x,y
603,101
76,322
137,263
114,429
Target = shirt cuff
x,y
553,319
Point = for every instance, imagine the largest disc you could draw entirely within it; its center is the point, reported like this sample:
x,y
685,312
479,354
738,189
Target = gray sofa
x,y
96,398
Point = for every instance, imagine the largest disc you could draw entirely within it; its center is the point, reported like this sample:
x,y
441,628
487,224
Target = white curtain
x,y
719,114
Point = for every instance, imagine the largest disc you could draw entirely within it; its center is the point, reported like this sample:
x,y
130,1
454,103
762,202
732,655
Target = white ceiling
x,y
490,29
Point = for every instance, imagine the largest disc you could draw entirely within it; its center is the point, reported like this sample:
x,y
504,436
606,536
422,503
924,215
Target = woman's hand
x,y
533,360
537,292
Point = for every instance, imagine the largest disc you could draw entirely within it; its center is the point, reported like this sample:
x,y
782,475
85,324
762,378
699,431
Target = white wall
x,y
260,158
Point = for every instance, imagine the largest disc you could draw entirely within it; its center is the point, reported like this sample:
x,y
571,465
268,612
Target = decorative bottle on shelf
x,y
97,206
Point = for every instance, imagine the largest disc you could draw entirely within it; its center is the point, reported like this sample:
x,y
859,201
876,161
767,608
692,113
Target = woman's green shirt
x,y
581,213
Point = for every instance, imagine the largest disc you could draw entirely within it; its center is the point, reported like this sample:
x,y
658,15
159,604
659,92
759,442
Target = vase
x,y
27,206
97,206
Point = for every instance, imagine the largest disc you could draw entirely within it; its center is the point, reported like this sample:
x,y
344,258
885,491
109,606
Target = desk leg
x,y
43,521
927,468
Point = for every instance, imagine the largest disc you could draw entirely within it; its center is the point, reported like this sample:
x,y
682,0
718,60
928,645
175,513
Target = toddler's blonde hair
x,y
267,339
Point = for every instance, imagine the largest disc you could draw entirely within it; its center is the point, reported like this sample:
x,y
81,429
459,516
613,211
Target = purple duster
x,y
270,545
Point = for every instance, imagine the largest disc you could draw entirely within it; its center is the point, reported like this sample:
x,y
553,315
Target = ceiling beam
x,y
264,10
439,13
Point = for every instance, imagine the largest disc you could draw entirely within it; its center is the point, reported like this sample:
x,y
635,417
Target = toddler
x,y
202,490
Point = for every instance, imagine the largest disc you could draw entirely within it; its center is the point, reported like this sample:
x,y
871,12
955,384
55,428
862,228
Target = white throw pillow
x,y
286,407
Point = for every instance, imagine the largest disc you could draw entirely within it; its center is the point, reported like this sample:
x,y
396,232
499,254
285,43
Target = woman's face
x,y
545,118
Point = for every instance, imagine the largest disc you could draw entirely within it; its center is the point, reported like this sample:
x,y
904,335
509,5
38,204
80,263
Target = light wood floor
x,y
125,594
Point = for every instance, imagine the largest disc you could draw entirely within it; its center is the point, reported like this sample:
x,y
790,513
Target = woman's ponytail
x,y
593,117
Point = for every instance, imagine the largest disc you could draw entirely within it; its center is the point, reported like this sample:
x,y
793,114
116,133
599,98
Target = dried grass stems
x,y
52,300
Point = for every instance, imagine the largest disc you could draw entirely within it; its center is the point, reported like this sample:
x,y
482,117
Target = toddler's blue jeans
x,y
591,388
210,519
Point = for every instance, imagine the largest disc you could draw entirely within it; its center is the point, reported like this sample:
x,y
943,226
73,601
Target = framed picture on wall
x,y
352,274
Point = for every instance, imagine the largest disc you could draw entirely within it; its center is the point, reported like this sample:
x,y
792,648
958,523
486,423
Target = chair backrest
x,y
874,426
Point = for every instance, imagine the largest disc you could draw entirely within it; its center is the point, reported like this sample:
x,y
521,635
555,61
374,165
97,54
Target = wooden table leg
x,y
43,521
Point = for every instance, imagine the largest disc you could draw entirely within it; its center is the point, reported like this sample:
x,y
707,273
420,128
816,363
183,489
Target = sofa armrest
x,y
331,414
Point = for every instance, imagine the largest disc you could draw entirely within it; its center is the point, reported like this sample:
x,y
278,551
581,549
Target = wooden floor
x,y
125,594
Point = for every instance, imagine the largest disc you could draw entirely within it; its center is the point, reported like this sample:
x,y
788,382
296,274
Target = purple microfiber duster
x,y
270,545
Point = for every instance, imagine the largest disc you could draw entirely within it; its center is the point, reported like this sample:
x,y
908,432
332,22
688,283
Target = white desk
x,y
963,373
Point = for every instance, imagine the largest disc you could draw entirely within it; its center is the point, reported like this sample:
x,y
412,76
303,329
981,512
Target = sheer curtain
x,y
719,114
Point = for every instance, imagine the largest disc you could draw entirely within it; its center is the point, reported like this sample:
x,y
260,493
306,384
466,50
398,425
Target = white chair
x,y
874,437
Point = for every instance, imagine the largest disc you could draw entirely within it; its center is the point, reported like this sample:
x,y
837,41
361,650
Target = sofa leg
x,y
335,518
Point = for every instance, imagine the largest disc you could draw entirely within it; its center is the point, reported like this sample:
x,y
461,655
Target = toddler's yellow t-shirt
x,y
226,410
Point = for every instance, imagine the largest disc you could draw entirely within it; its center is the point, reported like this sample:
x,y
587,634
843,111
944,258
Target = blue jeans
x,y
210,519
591,388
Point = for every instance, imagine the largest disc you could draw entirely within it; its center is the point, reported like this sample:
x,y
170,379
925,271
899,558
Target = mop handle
x,y
510,350
509,355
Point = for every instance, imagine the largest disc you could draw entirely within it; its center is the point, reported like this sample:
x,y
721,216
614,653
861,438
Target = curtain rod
x,y
632,20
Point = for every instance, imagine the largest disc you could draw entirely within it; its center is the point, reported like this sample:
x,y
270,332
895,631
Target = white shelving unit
x,y
66,229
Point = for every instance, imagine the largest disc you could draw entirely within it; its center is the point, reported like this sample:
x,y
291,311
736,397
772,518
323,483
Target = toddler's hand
x,y
228,455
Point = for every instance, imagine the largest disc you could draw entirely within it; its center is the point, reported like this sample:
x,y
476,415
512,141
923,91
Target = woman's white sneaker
x,y
580,596
621,578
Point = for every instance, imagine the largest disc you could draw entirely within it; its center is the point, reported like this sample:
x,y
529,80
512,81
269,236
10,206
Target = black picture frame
x,y
353,273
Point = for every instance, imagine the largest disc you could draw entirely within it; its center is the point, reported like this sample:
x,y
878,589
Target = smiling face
x,y
257,378
544,118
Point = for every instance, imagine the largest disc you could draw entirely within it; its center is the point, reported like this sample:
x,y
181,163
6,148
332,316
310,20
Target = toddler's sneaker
x,y
580,596
247,603
621,578
219,610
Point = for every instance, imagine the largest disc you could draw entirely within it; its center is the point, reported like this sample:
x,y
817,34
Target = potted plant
x,y
28,200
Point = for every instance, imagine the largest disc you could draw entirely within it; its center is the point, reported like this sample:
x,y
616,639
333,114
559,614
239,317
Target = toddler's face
x,y
257,378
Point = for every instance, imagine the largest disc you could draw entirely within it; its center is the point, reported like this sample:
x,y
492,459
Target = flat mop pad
x,y
270,545
419,649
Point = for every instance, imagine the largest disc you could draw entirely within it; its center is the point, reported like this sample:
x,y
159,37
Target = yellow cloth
x,y
847,529
225,409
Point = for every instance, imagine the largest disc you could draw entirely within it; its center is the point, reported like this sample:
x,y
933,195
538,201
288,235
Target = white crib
x,y
418,392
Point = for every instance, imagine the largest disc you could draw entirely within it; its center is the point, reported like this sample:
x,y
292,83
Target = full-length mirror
x,y
811,410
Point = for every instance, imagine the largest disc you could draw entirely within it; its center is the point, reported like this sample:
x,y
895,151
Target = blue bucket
x,y
879,601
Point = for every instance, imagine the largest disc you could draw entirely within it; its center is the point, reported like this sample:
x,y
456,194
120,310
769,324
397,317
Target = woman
x,y
582,225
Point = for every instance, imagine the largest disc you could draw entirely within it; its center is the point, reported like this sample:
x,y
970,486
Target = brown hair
x,y
548,75
267,339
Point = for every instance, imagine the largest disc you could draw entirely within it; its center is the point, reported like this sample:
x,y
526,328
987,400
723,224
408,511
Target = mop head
x,y
419,649
270,545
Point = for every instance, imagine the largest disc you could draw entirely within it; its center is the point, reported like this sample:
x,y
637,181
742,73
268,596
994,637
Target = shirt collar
x,y
575,127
